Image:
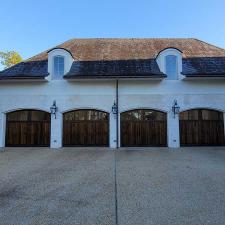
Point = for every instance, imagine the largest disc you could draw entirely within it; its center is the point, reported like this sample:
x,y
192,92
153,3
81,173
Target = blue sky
x,y
29,26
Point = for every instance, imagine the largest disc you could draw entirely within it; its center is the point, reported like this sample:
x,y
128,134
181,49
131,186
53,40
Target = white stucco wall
x,y
101,95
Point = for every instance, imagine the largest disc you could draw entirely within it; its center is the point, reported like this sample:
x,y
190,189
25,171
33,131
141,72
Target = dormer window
x,y
171,67
59,63
169,61
59,67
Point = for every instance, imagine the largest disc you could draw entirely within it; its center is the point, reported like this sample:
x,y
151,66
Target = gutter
x,y
21,78
192,78
117,114
203,75
112,78
16,79
142,76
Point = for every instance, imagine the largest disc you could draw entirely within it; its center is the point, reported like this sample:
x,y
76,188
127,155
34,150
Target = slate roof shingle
x,y
29,70
204,66
115,68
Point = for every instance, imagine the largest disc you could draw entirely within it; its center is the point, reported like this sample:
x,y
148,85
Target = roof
x,y
107,49
115,68
26,70
121,57
204,66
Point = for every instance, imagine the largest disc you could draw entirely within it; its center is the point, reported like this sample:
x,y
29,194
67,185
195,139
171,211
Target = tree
x,y
10,58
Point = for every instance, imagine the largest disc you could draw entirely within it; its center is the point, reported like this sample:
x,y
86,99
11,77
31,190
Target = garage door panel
x,y
17,134
86,128
23,130
143,128
201,127
39,134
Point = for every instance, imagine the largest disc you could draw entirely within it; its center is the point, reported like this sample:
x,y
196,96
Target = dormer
x,y
170,63
59,63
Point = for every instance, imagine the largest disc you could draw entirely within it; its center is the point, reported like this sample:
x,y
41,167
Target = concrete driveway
x,y
77,186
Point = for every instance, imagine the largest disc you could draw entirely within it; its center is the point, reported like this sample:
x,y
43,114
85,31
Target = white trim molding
x,y
2,129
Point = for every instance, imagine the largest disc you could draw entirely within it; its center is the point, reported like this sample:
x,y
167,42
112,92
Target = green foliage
x,y
10,58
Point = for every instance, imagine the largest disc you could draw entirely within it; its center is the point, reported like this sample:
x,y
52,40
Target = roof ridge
x,y
196,39
128,38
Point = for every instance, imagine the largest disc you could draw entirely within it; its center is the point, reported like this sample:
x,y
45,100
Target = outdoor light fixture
x,y
175,108
54,108
114,108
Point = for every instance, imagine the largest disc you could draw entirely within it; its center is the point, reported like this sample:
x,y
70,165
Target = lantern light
x,y
175,108
114,108
54,108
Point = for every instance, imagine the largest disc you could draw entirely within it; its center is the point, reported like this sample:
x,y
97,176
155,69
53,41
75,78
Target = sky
x,y
30,27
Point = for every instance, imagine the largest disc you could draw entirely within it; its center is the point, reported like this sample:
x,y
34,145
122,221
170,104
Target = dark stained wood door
x,y
86,128
201,127
143,127
28,128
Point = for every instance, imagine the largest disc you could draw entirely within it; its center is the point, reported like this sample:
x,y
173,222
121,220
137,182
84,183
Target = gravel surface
x,y
155,186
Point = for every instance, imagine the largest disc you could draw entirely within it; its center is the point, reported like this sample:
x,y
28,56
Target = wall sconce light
x,y
175,108
114,108
54,108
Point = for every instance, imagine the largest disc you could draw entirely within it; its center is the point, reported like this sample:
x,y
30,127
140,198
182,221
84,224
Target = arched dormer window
x,y
169,61
59,63
171,67
58,67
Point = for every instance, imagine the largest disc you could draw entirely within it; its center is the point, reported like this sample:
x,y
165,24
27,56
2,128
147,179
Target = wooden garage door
x,y
86,128
201,127
143,127
28,128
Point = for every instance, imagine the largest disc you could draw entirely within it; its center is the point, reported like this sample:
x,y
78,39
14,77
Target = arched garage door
x,y
143,127
201,127
28,128
86,128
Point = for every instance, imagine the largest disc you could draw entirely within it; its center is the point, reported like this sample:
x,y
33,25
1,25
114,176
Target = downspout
x,y
117,146
117,114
